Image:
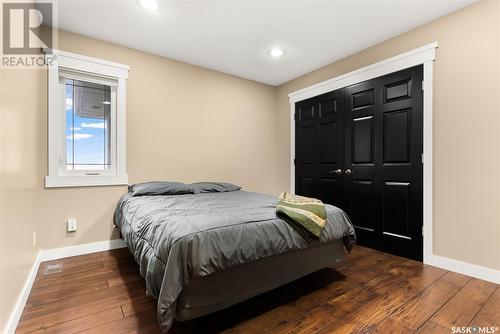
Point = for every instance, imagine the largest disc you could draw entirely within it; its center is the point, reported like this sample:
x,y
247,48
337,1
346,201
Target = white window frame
x,y
92,70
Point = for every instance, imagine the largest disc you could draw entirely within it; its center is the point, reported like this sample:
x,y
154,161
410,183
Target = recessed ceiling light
x,y
149,4
276,52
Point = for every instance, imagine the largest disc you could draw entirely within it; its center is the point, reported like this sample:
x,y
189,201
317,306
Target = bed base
x,y
228,287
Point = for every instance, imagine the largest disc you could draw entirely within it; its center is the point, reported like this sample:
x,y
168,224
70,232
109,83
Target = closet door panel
x,y
320,149
384,148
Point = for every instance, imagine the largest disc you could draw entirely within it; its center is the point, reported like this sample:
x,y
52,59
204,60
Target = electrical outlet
x,y
72,227
34,239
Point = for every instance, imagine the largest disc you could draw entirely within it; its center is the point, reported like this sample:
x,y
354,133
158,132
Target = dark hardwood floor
x,y
369,292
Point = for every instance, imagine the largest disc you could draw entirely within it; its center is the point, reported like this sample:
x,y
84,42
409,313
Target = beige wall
x,y
183,123
466,126
21,156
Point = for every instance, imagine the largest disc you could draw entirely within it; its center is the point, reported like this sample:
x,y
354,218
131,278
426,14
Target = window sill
x,y
85,181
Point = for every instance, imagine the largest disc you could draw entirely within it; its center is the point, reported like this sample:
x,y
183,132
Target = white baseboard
x,y
465,268
60,253
48,255
13,320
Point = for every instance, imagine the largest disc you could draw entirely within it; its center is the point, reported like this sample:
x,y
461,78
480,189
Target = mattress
x,y
178,239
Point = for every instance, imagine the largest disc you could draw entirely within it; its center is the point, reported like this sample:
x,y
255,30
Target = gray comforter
x,y
177,238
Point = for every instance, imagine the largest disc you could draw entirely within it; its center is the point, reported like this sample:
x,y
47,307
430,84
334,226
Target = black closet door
x,y
383,161
319,148
380,187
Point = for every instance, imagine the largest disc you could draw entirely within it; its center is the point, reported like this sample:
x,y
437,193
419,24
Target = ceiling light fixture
x,y
149,4
276,52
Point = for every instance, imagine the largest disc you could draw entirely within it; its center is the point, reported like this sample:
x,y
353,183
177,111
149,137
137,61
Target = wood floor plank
x,y
64,293
463,306
115,262
370,292
138,305
50,285
122,279
390,326
377,263
143,323
72,308
119,291
119,252
93,257
104,273
433,328
70,269
86,322
310,322
420,308
368,314
489,315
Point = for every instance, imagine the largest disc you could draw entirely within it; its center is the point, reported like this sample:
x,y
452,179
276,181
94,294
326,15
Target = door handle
x,y
348,172
337,171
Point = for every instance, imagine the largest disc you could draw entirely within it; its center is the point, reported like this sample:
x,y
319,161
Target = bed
x,y
206,246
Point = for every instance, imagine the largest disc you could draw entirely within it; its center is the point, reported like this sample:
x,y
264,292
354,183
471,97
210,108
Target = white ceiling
x,y
235,37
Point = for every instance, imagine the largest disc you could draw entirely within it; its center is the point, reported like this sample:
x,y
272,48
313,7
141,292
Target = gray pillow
x,y
213,187
159,188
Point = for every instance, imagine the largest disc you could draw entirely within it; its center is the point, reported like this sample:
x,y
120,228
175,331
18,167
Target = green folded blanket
x,y
306,215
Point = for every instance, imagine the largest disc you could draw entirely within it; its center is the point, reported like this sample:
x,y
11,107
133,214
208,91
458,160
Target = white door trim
x,y
424,55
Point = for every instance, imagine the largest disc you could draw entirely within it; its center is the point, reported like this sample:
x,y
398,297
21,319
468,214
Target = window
x,y
88,125
86,122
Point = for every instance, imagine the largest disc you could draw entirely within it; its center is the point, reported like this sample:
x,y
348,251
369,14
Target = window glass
x,y
88,122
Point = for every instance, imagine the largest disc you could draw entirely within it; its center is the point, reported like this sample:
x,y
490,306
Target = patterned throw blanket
x,y
306,215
